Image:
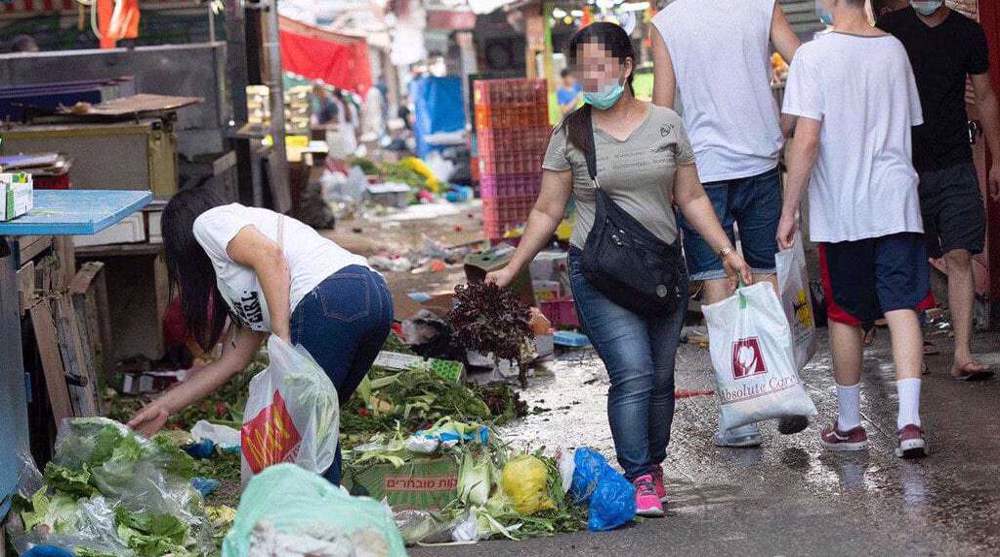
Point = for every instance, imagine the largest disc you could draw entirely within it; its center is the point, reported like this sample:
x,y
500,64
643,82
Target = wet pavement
x,y
789,497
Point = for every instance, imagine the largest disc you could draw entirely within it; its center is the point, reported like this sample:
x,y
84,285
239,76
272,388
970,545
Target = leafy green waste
x,y
110,492
422,396
151,533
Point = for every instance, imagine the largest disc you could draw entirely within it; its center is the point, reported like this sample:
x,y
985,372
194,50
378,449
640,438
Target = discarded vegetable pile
x,y
492,320
414,399
110,492
410,171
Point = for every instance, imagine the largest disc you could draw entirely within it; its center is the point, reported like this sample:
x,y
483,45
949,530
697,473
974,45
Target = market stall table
x,y
55,213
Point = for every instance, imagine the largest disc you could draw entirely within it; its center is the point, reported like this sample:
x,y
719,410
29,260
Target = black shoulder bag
x,y
624,260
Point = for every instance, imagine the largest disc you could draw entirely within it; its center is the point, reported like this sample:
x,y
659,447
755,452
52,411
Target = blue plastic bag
x,y
610,498
48,551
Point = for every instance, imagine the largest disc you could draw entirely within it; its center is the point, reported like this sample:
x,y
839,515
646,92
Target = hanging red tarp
x,y
313,53
117,21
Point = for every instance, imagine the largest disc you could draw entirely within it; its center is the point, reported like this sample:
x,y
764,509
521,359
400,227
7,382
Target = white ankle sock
x,y
909,402
848,407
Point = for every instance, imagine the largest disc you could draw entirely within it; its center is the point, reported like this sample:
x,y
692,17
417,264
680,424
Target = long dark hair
x,y
192,276
613,38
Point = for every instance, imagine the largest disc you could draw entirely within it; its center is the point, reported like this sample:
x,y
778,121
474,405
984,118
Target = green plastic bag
x,y
286,501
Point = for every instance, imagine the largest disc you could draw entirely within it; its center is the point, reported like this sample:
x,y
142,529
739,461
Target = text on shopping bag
x,y
270,437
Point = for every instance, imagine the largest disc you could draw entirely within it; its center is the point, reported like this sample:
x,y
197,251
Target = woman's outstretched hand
x,y
501,277
150,419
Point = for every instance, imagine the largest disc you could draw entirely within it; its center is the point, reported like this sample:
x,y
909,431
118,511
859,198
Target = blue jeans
x,y
639,356
343,323
754,204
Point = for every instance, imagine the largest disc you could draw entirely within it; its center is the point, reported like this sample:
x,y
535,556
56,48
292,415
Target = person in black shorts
x,y
854,100
944,48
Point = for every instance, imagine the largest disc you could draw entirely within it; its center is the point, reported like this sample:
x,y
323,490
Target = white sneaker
x,y
739,437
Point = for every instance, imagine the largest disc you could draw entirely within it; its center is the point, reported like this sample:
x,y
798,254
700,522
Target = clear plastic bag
x,y
751,347
285,503
793,286
292,414
111,491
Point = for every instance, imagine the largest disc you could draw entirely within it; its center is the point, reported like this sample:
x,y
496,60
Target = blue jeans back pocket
x,y
346,297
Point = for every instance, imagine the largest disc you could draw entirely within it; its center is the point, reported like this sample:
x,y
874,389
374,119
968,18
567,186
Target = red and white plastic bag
x,y
751,348
292,414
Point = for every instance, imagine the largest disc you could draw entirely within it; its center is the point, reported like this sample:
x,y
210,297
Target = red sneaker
x,y
646,502
835,440
911,442
661,490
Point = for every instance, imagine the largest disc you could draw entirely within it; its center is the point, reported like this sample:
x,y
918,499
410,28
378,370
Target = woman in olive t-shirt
x,y
645,163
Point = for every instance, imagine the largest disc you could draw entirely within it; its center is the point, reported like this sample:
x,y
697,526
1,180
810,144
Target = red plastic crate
x,y
561,312
493,142
510,103
510,91
513,209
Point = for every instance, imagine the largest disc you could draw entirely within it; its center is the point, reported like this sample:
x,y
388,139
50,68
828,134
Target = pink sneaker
x,y
835,440
646,502
911,442
661,490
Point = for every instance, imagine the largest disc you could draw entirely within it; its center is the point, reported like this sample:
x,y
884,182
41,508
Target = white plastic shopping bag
x,y
751,347
793,286
292,414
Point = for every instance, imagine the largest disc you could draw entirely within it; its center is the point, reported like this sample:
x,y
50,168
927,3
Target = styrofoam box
x,y
127,231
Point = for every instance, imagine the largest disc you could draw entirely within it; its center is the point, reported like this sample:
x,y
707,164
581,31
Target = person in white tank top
x,y
712,59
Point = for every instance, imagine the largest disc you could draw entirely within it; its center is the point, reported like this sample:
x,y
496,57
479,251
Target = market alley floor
x,y
789,497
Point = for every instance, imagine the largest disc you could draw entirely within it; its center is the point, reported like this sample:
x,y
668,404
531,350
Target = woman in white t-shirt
x,y
269,274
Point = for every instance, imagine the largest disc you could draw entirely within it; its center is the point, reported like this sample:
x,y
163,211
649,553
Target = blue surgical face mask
x,y
926,7
824,15
606,97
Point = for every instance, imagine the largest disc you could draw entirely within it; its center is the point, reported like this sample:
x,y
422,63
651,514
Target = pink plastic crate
x,y
510,185
562,312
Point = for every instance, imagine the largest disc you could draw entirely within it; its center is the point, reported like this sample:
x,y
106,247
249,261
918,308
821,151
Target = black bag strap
x,y
591,153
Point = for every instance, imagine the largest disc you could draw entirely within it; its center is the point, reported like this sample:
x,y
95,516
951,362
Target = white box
x,y
129,230
153,221
16,195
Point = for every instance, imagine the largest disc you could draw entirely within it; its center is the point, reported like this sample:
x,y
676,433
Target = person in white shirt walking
x,y
855,99
716,55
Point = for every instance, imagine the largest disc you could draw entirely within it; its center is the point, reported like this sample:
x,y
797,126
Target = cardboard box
x,y
423,484
16,195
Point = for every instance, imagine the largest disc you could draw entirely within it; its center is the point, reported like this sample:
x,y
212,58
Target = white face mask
x,y
926,7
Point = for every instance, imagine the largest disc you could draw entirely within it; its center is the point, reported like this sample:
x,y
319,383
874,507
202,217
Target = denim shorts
x,y
754,205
